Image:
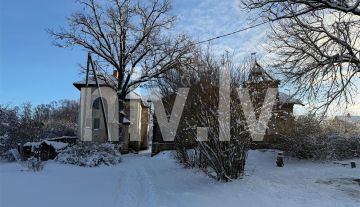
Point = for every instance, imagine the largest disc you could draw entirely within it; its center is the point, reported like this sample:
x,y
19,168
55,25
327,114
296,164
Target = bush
x,y
90,155
226,160
320,140
8,156
222,160
34,164
345,146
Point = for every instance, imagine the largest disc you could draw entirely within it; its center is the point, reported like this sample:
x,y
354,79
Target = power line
x,y
231,33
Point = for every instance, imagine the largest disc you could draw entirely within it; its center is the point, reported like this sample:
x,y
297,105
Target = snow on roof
x,y
133,96
130,96
349,119
32,144
59,138
91,82
56,145
284,98
258,73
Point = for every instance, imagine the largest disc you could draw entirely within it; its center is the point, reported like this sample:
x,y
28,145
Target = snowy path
x,y
159,182
134,183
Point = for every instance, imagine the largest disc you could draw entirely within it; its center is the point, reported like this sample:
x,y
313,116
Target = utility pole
x,y
90,63
347,118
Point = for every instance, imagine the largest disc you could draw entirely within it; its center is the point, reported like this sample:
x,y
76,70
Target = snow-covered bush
x,y
324,147
90,155
34,164
320,140
344,146
8,156
223,160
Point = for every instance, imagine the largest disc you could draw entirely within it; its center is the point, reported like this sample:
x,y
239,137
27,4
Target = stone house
x,y
281,123
92,125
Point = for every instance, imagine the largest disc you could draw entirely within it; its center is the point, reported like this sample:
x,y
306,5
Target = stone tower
x,y
258,82
282,122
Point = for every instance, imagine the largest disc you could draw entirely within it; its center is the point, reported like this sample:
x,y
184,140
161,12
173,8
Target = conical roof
x,y
257,73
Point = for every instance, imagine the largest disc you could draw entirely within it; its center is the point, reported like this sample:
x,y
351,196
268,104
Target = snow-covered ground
x,y
141,180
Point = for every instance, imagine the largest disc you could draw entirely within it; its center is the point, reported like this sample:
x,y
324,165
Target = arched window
x,y
96,106
96,123
98,118
96,103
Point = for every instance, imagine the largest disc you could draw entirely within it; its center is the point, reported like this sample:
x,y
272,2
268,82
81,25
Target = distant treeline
x,y
20,124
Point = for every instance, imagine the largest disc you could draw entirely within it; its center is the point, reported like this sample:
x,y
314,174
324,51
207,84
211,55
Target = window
x,y
96,104
96,123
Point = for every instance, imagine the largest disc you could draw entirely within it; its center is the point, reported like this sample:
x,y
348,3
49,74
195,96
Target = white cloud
x,y
210,18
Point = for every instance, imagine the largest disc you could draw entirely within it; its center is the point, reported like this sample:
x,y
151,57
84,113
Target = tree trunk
x,y
121,100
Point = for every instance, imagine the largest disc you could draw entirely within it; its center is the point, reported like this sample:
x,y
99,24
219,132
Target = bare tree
x,y
203,65
129,36
320,56
225,159
279,9
316,45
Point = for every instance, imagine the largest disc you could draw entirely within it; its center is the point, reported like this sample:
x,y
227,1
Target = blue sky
x,y
32,69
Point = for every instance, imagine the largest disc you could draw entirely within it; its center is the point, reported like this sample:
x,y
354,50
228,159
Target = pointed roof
x,y
91,82
133,96
257,73
288,99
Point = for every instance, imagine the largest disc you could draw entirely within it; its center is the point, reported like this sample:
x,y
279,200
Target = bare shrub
x,y
222,160
345,146
8,156
34,164
320,140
